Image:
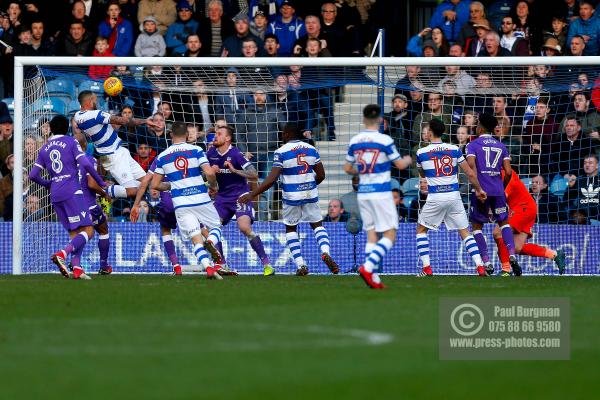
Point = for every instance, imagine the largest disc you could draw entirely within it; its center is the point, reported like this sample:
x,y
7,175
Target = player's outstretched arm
x,y
263,187
472,176
36,176
319,173
349,169
89,168
211,176
131,122
249,172
403,162
94,187
158,184
135,209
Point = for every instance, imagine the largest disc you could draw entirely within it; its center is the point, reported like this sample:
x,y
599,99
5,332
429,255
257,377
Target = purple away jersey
x,y
231,186
166,201
59,157
88,195
98,217
489,155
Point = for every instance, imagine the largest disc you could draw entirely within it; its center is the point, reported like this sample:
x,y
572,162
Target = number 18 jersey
x,y
439,161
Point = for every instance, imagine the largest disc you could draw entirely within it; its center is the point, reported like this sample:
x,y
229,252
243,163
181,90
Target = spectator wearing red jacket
x,y
101,50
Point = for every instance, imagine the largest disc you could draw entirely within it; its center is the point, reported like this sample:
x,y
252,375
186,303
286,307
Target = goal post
x,y
350,83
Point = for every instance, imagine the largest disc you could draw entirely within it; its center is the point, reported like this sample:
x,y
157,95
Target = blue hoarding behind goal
x,y
138,248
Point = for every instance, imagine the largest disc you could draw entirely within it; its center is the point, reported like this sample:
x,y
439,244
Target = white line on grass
x,y
193,336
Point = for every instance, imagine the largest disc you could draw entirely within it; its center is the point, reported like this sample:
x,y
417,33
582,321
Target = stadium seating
x,y
410,187
49,105
95,87
558,187
63,89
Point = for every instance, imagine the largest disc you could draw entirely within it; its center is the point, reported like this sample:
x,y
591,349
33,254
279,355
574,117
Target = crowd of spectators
x,y
547,116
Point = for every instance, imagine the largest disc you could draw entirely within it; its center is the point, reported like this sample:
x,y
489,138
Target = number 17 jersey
x,y
489,155
439,162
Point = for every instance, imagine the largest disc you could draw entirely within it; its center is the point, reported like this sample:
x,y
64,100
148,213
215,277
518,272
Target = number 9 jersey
x,y
439,162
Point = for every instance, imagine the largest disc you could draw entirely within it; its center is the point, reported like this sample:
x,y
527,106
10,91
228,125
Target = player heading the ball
x,y
96,125
370,156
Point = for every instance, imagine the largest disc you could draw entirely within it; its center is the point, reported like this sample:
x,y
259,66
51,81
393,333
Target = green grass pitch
x,y
315,337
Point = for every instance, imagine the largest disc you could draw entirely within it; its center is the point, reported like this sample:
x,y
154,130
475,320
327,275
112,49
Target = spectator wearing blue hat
x,y
178,31
232,46
287,27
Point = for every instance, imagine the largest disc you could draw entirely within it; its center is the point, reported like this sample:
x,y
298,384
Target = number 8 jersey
x,y
59,157
439,162
373,154
296,160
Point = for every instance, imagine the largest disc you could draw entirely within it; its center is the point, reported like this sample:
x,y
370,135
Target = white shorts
x,y
191,219
309,212
450,212
380,214
123,168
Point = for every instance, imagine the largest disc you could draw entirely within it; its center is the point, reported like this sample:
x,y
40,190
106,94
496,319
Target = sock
x,y
509,240
76,257
293,243
423,249
117,191
322,239
201,255
103,246
535,250
221,252
369,248
76,243
473,250
482,244
503,254
214,235
257,245
170,249
381,248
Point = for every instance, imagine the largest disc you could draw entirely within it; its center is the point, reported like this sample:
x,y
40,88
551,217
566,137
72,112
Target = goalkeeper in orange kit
x,y
522,216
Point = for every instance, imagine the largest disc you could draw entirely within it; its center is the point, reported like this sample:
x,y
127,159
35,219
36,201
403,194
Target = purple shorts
x,y
166,218
72,214
228,208
98,216
493,209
